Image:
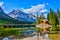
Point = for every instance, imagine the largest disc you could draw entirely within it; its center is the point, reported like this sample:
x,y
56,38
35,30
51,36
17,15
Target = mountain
x,y
5,19
2,13
19,15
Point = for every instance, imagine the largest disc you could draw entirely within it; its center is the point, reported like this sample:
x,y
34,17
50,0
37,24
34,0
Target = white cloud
x,y
2,6
1,3
45,15
44,10
34,8
40,8
6,11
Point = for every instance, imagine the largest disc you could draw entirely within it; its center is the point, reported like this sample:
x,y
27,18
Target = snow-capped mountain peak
x,y
19,15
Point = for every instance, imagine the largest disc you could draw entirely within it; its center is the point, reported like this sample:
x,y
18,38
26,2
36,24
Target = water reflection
x,y
30,32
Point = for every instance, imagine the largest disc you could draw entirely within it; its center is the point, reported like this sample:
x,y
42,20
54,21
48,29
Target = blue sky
x,y
25,5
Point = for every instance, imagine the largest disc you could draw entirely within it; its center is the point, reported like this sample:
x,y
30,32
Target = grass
x,y
54,36
11,31
15,28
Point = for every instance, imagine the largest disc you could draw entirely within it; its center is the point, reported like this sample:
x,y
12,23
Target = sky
x,y
30,6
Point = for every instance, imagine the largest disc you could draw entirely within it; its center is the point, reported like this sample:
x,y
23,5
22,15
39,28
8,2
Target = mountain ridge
x,y
19,15
9,20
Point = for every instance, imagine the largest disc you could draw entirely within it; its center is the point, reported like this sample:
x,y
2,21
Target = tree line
x,y
53,17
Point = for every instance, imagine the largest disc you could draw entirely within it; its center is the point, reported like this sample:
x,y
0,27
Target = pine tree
x,y
58,15
51,17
